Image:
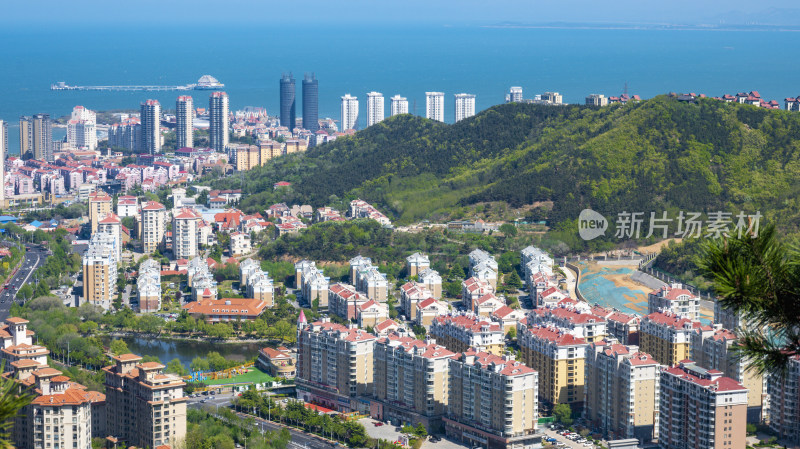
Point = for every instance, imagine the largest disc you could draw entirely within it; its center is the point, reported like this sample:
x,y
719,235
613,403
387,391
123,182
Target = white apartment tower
x,y
349,112
218,119
184,122
514,95
399,105
374,108
153,226
151,127
434,106
465,106
184,233
82,128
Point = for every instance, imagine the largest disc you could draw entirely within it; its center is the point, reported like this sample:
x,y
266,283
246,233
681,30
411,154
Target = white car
x,y
588,444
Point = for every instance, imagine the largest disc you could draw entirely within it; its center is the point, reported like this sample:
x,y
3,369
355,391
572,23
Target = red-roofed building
x,y
277,362
615,373
560,358
411,379
495,404
138,398
676,299
701,409
581,322
461,332
667,336
226,309
326,354
712,348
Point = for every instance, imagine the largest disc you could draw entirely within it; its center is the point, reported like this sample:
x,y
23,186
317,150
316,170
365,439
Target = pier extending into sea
x,y
64,86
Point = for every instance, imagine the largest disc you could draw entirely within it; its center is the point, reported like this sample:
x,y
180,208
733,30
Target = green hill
x,y
656,155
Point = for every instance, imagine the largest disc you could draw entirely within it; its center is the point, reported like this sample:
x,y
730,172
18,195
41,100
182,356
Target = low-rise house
x,y
226,309
508,317
371,313
277,362
411,293
428,310
431,279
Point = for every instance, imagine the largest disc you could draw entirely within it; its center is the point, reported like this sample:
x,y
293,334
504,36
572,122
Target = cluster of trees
x,y
228,431
214,361
296,414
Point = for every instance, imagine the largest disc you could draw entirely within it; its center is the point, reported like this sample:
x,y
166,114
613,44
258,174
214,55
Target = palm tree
x,y
758,278
11,402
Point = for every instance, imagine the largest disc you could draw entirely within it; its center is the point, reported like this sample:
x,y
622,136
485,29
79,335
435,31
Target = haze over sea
x,y
408,61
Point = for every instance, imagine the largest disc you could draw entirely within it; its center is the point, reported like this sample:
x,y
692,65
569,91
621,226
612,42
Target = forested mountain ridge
x,y
655,155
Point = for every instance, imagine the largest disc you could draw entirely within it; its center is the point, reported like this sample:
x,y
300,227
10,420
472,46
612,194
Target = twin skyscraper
x,y
310,102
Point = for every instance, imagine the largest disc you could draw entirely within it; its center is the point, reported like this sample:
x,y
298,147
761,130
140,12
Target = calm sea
x,y
407,61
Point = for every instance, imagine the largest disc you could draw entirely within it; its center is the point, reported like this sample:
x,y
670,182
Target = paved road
x,y
34,258
300,439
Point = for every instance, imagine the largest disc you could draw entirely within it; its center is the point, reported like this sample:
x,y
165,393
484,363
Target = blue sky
x,y
444,12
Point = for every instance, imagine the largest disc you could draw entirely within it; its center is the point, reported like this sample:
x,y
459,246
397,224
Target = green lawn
x,y
255,375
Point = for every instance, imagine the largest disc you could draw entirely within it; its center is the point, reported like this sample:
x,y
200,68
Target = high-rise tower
x,y
399,105
151,127
374,108
349,112
218,120
184,122
310,103
465,106
434,106
288,114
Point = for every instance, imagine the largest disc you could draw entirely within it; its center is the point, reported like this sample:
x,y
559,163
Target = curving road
x,y
34,258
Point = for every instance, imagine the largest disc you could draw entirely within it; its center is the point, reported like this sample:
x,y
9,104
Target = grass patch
x,y
255,375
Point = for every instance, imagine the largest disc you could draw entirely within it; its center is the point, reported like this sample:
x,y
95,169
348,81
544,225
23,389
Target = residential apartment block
x,y
416,263
676,299
667,337
434,106
712,348
17,348
432,281
621,392
577,317
334,365
148,286
493,402
460,332
700,409
184,122
411,380
100,270
427,311
464,106
399,105
312,283
784,402
412,293
622,326
560,359
99,206
153,227
375,112
60,413
146,407
185,225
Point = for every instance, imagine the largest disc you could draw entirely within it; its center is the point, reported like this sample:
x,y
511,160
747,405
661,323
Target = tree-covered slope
x,y
656,155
